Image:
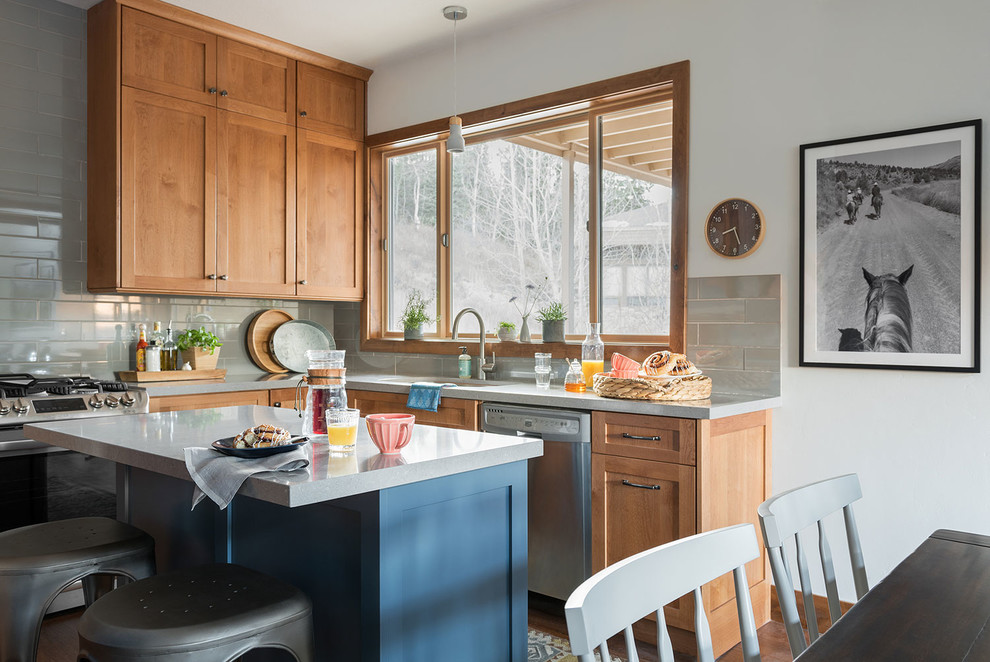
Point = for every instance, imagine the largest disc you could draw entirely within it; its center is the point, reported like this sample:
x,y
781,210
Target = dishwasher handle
x,y
626,435
639,485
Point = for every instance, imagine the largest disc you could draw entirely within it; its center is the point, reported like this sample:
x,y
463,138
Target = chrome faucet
x,y
483,367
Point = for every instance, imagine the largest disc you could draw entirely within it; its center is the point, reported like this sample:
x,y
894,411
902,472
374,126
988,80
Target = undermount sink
x,y
444,380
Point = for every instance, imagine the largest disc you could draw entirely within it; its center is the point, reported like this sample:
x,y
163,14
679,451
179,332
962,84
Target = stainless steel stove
x,y
25,399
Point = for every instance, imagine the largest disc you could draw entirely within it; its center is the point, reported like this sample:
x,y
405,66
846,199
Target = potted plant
x,y
553,317
506,331
199,348
414,316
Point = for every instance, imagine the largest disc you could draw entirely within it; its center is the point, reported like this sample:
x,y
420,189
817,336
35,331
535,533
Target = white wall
x,y
767,76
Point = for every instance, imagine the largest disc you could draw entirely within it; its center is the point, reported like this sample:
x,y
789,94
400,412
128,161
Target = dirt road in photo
x,y
907,233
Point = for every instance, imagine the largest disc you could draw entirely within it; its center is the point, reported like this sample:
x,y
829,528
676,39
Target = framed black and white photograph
x,y
890,250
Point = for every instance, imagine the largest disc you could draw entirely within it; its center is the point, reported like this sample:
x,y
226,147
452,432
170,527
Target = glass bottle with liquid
x,y
574,381
170,353
592,354
325,380
142,345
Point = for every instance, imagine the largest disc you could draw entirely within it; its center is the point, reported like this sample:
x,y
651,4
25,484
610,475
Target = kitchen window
x,y
573,197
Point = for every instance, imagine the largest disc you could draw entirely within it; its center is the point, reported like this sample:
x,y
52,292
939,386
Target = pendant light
x,y
455,142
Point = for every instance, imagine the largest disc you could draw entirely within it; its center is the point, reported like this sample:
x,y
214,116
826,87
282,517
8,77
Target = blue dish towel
x,y
425,395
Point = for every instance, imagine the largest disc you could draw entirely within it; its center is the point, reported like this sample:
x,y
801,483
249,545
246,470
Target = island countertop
x,y
155,442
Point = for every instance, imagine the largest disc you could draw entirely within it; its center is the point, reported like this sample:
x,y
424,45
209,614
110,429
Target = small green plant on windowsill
x,y
414,316
553,315
506,331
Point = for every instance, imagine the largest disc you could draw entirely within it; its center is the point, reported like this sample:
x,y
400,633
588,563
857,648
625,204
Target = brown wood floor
x,y
59,642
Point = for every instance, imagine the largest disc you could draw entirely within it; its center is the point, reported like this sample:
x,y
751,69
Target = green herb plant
x,y
552,312
197,338
414,314
507,325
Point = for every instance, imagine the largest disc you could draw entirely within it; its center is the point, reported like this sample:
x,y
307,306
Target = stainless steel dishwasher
x,y
559,492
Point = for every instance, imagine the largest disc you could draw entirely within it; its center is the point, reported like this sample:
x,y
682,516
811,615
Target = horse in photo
x,y
888,312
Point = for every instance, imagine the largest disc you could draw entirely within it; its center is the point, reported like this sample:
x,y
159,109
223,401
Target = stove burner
x,y
22,385
60,390
112,387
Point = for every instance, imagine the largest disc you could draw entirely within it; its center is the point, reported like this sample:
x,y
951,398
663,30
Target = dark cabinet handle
x,y
644,487
212,276
223,93
224,277
278,404
626,435
212,90
302,113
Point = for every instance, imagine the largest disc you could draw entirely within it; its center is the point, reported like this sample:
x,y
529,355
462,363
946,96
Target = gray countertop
x,y
718,406
155,442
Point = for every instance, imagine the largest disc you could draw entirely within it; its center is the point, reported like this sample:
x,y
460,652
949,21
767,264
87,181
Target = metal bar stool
x,y
208,613
38,561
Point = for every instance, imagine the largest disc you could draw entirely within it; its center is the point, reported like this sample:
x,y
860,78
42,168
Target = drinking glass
x,y
542,370
342,425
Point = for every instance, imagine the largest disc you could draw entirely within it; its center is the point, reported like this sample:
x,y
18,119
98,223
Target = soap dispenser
x,y
464,364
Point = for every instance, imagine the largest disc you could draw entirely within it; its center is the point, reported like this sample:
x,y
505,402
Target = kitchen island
x,y
420,556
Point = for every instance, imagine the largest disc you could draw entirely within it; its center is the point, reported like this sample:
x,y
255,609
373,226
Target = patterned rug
x,y
544,647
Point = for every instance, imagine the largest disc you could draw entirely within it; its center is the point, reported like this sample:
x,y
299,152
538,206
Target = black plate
x,y
226,446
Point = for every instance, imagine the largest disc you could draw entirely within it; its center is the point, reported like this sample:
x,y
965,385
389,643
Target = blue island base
x,y
431,571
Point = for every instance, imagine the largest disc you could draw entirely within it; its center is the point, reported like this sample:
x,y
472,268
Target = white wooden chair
x,y
612,600
784,516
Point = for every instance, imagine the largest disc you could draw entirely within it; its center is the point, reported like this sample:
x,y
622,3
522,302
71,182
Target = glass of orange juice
x,y
590,368
342,427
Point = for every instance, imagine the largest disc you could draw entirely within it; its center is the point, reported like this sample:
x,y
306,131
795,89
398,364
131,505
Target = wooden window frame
x,y
594,99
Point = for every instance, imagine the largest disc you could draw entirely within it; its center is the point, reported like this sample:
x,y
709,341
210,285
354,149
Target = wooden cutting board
x,y
259,337
169,375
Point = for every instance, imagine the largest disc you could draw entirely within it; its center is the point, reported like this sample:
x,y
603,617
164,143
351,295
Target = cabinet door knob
x,y
304,282
212,276
278,404
223,93
302,113
212,90
224,277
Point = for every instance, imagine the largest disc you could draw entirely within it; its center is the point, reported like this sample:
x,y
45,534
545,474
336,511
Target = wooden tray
x,y
169,375
259,336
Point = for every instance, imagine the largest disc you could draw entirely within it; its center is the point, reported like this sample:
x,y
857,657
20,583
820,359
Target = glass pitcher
x,y
325,390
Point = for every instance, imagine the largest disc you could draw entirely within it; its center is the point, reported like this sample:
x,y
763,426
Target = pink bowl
x,y
390,432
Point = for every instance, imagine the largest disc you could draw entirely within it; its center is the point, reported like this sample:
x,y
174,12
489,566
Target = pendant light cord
x,y
455,66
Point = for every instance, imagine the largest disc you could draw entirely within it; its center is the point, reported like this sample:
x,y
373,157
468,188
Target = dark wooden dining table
x,y
935,605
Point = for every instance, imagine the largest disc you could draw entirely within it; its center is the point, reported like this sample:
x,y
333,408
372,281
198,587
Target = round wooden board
x,y
259,337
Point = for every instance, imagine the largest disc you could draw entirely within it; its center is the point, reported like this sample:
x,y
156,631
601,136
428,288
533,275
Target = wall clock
x,y
735,228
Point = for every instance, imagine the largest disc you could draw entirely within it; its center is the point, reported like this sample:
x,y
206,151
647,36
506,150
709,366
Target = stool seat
x,y
66,543
216,611
38,561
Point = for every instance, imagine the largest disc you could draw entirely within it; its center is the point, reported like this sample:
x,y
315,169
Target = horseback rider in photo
x,y
876,198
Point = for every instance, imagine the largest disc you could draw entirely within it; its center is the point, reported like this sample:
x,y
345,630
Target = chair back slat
x,y
702,632
627,591
807,596
631,644
665,648
747,623
828,573
855,553
787,514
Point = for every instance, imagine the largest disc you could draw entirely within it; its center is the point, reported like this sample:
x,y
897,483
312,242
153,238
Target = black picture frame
x,y
892,282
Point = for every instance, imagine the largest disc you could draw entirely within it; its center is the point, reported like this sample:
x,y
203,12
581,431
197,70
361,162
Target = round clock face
x,y
734,228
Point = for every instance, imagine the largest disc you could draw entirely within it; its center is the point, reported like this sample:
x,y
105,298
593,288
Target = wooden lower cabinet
x,y
207,400
452,413
286,397
714,473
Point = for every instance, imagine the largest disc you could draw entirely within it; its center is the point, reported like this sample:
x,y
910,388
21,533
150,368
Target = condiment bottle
x,y
141,347
464,364
170,353
153,357
574,381
592,354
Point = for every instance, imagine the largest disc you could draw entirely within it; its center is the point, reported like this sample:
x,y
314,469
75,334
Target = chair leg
x,y
95,586
22,606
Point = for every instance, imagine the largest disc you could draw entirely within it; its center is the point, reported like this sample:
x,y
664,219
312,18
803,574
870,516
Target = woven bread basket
x,y
695,387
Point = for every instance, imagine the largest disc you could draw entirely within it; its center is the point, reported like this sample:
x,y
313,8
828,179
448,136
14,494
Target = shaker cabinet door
x,y
167,193
329,102
330,230
256,189
256,82
170,58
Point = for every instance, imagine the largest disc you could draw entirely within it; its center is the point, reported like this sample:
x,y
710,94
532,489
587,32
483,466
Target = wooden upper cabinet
x,y
170,58
256,205
256,82
330,102
167,193
330,220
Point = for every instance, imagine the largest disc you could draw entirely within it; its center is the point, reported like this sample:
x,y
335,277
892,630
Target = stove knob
x,y
20,407
4,407
95,402
127,400
112,402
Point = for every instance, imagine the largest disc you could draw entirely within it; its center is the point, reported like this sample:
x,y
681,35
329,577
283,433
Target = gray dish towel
x,y
220,476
